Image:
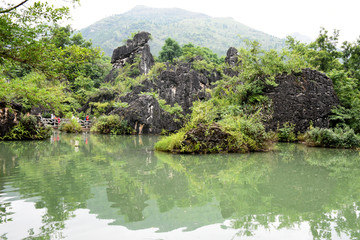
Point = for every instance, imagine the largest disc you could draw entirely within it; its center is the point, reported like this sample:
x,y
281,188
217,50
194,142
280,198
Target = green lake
x,y
91,186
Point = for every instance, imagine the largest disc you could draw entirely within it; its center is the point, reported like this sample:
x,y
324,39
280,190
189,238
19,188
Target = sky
x,y
276,17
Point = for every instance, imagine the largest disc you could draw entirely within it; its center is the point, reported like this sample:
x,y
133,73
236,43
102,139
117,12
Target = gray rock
x,y
128,54
179,84
301,99
232,59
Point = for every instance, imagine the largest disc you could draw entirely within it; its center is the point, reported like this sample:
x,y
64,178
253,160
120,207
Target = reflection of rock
x,y
301,99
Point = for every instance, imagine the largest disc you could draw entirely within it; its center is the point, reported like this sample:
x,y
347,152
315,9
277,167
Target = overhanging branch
x,y
14,7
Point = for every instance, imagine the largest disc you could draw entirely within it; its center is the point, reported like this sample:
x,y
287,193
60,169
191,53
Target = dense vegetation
x,y
217,34
45,65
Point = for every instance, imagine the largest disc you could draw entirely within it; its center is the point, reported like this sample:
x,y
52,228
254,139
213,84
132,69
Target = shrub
x,y
334,138
205,133
286,133
28,128
71,127
112,124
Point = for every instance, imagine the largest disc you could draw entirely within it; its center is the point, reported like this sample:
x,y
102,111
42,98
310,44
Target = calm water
x,y
116,187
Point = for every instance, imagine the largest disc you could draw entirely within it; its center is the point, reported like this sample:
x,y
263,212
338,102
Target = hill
x,y
218,34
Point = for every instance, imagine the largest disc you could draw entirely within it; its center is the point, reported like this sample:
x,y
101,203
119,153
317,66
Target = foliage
x,y
190,51
342,66
112,124
244,133
169,51
322,53
43,64
73,126
237,104
335,138
286,133
258,68
33,90
99,108
28,128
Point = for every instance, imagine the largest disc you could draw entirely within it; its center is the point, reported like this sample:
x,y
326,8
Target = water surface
x,y
116,187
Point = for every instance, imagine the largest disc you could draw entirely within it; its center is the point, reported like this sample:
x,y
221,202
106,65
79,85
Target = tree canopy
x,y
170,50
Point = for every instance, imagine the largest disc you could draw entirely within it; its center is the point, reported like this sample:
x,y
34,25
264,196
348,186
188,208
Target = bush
x,y
28,128
112,124
334,138
206,133
286,133
71,127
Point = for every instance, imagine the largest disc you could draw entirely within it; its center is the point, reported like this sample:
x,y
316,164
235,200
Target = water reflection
x,y
121,178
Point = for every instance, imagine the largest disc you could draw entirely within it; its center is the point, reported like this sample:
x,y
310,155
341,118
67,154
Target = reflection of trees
x,y
279,189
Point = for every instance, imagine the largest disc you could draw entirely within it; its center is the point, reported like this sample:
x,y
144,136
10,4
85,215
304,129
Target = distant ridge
x,y
218,34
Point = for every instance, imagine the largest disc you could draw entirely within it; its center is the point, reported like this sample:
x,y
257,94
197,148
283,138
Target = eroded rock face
x,y
301,99
178,84
138,47
145,115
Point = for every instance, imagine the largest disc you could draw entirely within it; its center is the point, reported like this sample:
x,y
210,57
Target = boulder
x,y
302,99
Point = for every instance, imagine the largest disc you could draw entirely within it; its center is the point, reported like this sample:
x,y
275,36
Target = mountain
x,y
218,34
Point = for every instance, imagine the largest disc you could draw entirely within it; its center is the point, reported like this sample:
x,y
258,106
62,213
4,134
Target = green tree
x,y
170,50
24,34
190,51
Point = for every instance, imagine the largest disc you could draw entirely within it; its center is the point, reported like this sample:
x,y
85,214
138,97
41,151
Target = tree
x,y
190,51
24,34
169,51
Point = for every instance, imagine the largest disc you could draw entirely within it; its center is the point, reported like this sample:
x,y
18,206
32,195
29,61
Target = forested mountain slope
x,y
218,34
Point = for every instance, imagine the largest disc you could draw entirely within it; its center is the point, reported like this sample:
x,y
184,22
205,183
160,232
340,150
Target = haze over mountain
x,y
301,37
218,34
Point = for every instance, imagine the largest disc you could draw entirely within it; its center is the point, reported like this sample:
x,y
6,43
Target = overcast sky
x,y
275,17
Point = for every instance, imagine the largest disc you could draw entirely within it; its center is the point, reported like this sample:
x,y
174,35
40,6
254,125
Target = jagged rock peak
x,y
232,58
138,41
130,53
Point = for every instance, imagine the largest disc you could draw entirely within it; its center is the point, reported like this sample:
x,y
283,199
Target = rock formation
x,y
136,49
232,59
301,99
178,84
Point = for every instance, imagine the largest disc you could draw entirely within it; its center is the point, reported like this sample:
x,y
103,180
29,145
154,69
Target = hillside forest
x,y
47,68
